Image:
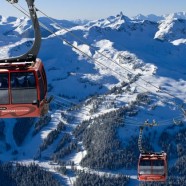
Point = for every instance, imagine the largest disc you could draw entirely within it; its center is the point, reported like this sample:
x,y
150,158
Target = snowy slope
x,y
133,45
171,29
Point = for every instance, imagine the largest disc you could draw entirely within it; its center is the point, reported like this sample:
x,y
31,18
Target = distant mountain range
x,y
155,18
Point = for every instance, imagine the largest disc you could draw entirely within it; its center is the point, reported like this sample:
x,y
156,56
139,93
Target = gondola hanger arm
x,y
31,55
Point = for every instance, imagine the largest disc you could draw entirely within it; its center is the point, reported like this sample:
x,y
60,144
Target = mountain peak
x,y
120,14
177,15
123,17
150,17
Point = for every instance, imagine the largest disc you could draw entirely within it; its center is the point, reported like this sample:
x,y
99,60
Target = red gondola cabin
x,y
152,167
23,90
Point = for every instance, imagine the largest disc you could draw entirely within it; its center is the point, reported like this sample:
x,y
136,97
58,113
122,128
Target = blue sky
x,y
95,9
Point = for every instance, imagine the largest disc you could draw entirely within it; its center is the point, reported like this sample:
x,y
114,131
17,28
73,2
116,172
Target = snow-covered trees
x,y
21,175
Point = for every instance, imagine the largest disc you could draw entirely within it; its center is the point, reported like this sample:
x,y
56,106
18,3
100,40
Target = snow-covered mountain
x,y
172,30
155,18
127,76
22,26
150,17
